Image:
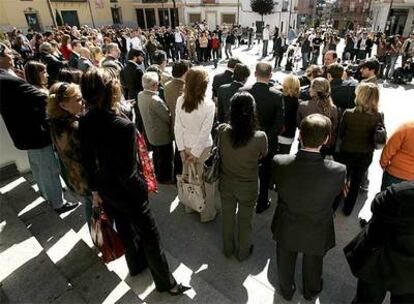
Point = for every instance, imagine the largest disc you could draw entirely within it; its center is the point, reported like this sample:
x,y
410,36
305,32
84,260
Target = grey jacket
x,y
156,118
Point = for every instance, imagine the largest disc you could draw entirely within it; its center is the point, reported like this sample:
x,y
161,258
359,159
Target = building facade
x,y
393,16
351,14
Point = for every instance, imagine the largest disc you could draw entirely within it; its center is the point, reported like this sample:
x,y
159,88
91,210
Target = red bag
x,y
147,167
105,237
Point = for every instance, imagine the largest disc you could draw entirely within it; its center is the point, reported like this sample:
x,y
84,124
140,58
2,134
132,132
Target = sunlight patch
x,y
183,275
63,246
174,204
117,293
12,185
32,205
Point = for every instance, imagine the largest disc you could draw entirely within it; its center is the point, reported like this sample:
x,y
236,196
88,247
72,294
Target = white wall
x,y
8,153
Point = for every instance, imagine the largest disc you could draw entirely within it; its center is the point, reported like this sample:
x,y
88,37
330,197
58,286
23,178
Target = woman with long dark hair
x,y
108,146
36,74
241,148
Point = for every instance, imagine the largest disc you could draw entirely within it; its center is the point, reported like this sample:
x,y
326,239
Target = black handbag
x,y
212,165
380,134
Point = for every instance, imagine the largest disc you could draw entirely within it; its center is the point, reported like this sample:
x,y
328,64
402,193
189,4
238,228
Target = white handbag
x,y
191,192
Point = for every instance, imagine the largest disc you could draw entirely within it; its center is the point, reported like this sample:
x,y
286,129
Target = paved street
x,y
194,249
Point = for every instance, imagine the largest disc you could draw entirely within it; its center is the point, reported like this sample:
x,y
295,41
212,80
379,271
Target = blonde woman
x,y
291,91
356,135
194,115
64,107
320,103
97,56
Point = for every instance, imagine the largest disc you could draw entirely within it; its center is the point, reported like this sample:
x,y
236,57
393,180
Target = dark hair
x,y
75,43
70,75
334,54
32,70
336,70
135,53
371,64
314,130
100,89
159,57
241,72
195,88
243,119
314,71
180,67
232,63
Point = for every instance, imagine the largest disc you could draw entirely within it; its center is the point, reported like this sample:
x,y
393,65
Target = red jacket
x,y
215,43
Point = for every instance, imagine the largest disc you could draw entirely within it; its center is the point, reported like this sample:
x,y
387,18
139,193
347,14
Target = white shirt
x,y
178,38
193,130
135,43
266,34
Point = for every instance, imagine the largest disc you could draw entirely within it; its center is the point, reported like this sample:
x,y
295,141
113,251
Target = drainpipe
x,y
49,5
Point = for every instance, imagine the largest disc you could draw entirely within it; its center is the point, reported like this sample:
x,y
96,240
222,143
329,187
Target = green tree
x,y
262,7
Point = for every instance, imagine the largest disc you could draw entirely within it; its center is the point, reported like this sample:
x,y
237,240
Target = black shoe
x,y
362,223
313,294
262,208
249,255
66,207
288,297
178,289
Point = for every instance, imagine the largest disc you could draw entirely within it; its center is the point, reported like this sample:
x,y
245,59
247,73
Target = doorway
x,y
116,15
398,18
33,21
70,18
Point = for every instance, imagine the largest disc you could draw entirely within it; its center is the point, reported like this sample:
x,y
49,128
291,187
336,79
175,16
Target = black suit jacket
x,y
23,108
133,79
220,79
109,156
343,93
390,232
74,60
53,66
307,186
225,93
270,111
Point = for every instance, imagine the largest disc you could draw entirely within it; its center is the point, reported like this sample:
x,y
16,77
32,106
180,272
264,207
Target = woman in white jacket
x,y
194,116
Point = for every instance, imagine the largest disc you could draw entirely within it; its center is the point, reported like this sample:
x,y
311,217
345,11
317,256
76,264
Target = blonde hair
x,y
291,86
60,92
367,98
320,86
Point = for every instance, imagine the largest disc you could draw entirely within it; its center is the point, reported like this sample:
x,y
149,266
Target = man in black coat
x,y
23,108
381,256
75,55
225,77
226,91
270,113
303,220
53,64
342,91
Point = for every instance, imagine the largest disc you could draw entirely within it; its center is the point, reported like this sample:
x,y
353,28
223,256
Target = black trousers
x,y
372,293
356,166
265,171
178,165
284,149
138,231
163,162
311,272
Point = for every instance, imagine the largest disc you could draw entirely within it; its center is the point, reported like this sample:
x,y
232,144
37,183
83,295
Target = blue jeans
x,y
388,180
45,170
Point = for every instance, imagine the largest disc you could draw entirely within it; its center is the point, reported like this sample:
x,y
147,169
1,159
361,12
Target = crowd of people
x,y
76,99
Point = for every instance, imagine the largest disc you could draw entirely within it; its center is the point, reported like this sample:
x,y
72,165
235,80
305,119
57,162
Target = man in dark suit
x,y
226,91
342,91
270,112
112,60
53,64
23,108
390,234
303,220
225,77
75,55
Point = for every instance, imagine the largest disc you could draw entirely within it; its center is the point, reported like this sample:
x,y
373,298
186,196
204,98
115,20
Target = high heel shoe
x,y
178,289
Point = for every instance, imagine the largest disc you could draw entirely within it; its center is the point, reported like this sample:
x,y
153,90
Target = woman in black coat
x,y
109,152
382,255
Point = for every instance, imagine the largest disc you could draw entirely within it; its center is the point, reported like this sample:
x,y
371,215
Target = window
x,y
116,15
150,17
33,21
163,17
70,18
175,20
193,18
285,6
228,18
140,17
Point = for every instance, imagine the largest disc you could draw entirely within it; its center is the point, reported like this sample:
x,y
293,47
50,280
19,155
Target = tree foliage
x,y
262,7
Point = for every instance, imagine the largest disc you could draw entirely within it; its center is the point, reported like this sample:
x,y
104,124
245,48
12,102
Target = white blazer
x,y
193,130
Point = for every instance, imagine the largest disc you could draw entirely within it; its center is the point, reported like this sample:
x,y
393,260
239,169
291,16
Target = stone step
x,y
71,256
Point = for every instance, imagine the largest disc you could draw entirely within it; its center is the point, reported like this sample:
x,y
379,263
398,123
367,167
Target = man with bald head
x,y
270,113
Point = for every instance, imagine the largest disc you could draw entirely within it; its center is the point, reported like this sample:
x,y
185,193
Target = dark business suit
x,y
133,83
225,93
270,113
53,66
303,220
74,60
108,146
220,79
343,93
391,229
